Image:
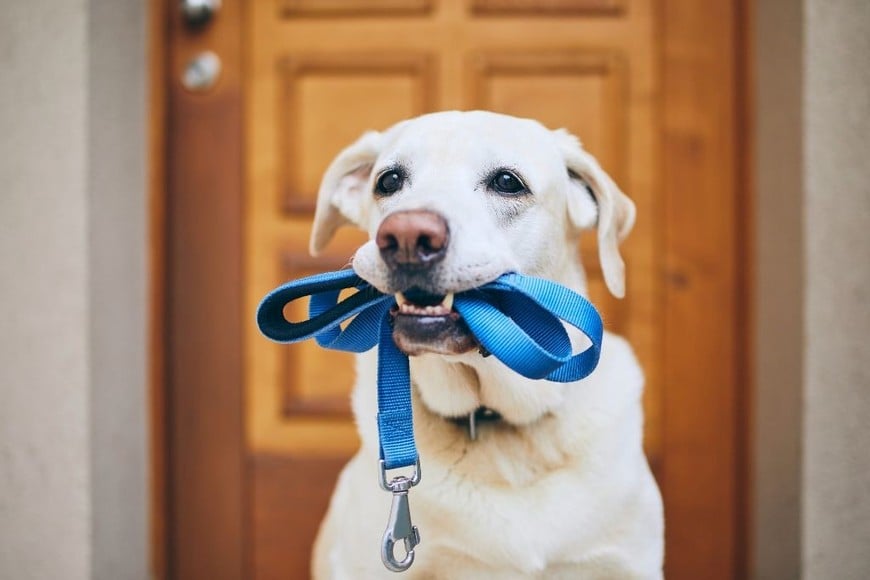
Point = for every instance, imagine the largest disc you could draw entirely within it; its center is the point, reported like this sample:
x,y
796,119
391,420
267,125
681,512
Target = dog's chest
x,y
521,529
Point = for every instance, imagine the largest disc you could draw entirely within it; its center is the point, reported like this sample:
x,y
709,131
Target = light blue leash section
x,y
517,318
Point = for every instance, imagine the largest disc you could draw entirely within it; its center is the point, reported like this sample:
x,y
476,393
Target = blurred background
x,y
159,163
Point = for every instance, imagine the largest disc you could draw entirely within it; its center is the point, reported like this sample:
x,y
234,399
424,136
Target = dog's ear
x,y
595,199
342,195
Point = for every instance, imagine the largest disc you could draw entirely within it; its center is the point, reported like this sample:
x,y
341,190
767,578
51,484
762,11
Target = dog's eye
x,y
389,182
506,182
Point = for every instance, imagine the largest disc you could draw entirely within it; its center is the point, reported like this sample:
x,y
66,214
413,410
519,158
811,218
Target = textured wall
x,y
836,465
73,469
811,504
117,242
45,498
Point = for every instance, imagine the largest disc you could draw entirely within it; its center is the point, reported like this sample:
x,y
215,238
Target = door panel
x,y
255,444
329,99
318,82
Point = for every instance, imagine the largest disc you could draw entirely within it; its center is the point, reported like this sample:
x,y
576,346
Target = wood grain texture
x,y
289,497
561,88
338,75
325,8
204,324
702,328
561,7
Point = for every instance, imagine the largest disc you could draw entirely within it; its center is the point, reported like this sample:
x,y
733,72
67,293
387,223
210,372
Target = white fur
x,y
560,488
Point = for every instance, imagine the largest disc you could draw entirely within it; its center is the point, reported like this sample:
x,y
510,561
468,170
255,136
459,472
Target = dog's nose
x,y
414,238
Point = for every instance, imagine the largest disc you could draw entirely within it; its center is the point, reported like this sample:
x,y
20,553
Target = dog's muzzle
x,y
412,244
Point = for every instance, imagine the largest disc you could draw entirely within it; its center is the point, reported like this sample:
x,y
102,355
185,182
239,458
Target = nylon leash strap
x,y
517,318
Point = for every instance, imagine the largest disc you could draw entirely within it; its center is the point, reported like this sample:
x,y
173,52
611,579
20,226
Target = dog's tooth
x,y
400,299
448,302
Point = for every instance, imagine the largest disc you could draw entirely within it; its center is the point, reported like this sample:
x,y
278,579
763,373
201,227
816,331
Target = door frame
x,y
196,271
195,277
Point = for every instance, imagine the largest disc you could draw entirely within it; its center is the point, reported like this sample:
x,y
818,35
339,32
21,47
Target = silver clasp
x,y
399,526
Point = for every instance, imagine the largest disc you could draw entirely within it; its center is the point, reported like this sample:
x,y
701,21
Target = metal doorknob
x,y
201,72
199,12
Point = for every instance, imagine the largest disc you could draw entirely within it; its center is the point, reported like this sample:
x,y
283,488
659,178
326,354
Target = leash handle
x,y
326,312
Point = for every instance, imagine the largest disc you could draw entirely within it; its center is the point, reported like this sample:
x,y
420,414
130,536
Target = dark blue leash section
x,y
516,318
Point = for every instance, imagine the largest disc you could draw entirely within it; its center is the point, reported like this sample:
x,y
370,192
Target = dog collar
x,y
480,415
516,318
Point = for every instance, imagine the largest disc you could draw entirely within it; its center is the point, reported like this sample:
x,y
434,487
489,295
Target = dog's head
x,y
453,200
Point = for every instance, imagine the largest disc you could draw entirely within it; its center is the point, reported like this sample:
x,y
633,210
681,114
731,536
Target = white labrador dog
x,y
557,486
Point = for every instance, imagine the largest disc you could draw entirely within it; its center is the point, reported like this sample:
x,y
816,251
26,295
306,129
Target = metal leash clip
x,y
399,526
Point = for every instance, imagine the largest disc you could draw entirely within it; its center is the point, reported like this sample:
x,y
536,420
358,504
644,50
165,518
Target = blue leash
x,y
516,318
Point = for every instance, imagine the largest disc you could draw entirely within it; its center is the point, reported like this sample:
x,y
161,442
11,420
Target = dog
x,y
557,485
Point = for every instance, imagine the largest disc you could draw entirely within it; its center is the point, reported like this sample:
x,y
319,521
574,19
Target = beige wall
x,y
45,498
117,256
812,445
73,480
836,434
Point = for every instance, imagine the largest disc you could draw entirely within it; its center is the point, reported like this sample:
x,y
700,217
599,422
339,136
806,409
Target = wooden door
x,y
258,432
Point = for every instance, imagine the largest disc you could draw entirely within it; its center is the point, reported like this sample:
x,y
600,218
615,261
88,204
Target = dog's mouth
x,y
425,322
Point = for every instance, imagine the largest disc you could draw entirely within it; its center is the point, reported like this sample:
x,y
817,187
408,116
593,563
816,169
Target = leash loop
x,y
325,311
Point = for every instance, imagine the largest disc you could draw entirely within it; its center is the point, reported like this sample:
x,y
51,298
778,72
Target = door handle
x,y
198,13
201,72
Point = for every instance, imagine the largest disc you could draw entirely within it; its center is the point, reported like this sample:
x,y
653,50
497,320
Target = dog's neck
x,y
446,392
445,442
